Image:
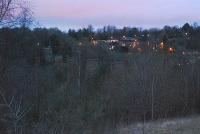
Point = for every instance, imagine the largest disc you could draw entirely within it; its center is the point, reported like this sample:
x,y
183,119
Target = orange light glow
x,y
139,49
134,45
162,45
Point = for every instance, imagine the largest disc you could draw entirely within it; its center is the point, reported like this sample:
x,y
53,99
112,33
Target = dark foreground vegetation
x,y
56,82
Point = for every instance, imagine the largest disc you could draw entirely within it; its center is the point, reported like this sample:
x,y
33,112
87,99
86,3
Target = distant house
x,y
113,45
127,41
118,46
46,55
112,41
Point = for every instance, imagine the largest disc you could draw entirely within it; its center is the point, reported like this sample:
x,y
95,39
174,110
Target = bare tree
x,y
15,113
12,12
26,17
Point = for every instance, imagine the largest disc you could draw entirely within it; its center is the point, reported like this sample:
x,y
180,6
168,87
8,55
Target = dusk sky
x,y
66,14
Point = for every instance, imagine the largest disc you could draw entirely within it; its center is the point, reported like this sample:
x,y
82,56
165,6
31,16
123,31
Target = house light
x,y
171,50
112,47
162,45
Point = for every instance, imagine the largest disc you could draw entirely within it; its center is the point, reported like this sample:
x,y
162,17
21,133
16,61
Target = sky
x,y
75,14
